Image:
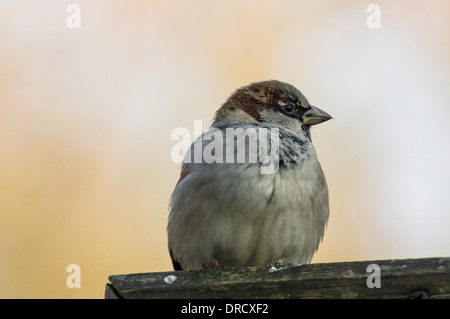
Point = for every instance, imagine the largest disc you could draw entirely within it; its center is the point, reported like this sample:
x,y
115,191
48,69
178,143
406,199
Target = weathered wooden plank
x,y
402,278
111,293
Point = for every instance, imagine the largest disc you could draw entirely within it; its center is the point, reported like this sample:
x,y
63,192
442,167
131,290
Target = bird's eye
x,y
289,109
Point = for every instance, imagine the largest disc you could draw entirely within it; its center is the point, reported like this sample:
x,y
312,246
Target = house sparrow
x,y
228,213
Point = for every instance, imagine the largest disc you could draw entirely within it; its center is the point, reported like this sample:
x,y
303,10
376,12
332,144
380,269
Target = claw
x,y
214,264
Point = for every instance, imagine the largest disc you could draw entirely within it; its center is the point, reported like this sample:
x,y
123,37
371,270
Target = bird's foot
x,y
214,264
276,263
279,265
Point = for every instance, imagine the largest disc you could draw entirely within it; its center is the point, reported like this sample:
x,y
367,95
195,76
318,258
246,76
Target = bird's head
x,y
275,103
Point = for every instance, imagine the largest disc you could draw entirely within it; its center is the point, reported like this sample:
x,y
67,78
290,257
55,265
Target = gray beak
x,y
315,116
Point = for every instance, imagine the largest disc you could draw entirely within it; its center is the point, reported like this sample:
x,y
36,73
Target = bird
x,y
227,212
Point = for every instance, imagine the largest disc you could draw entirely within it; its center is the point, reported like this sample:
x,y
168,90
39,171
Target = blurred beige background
x,y
86,116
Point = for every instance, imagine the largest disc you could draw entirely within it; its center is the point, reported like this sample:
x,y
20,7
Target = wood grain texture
x,y
402,278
